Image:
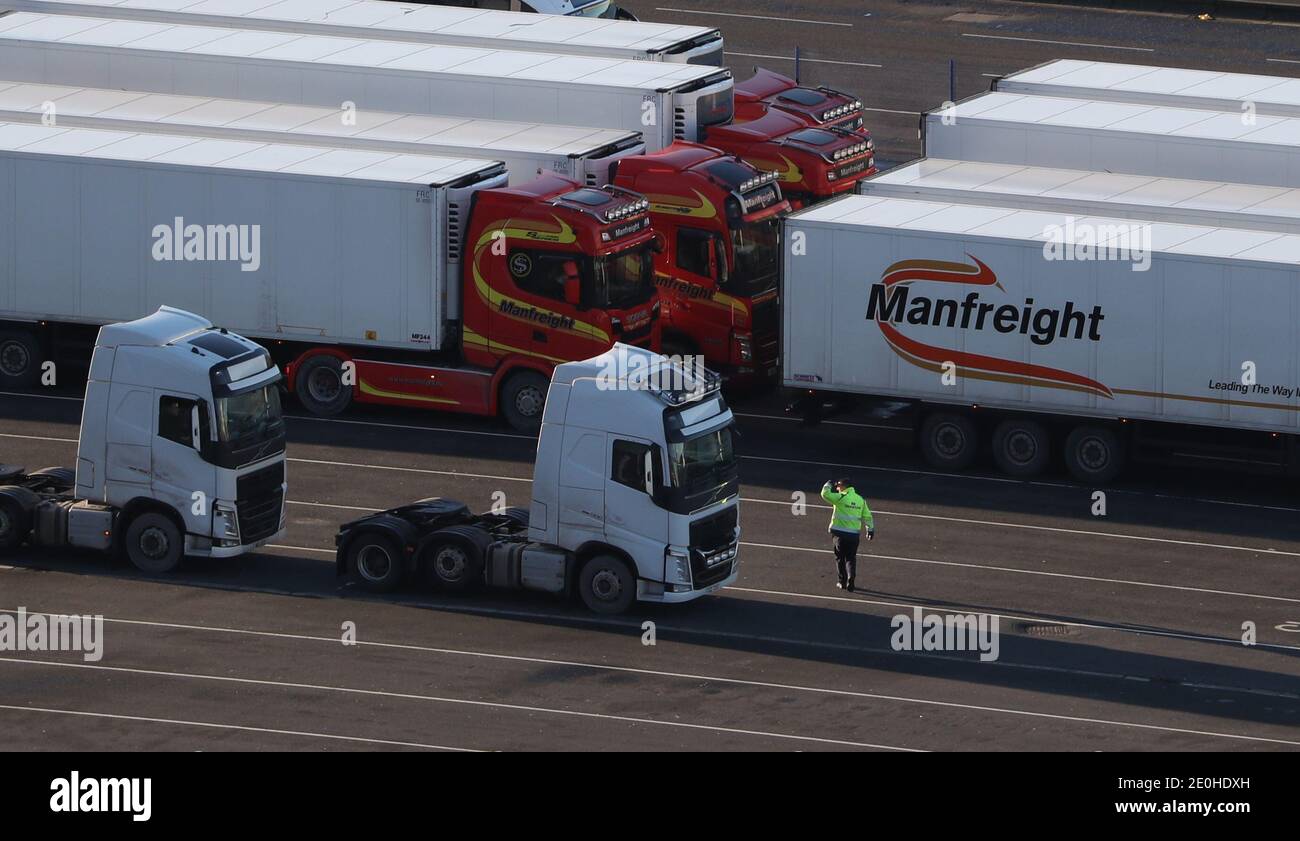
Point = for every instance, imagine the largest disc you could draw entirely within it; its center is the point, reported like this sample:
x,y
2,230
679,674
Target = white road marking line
x,y
497,705
1013,570
1059,43
39,396
685,675
811,60
891,111
246,729
751,17
1284,60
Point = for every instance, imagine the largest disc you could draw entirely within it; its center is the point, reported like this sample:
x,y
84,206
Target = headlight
x,y
677,566
225,521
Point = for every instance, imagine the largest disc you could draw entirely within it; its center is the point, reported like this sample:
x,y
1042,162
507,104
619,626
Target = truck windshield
x,y
624,279
703,462
250,417
758,250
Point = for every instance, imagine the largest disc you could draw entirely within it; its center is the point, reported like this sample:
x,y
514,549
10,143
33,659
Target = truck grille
x,y
708,537
260,496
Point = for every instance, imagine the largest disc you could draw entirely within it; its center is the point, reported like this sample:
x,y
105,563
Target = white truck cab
x,y
181,450
635,498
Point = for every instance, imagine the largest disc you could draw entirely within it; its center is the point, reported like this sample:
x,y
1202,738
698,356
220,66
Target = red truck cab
x,y
814,164
718,266
819,107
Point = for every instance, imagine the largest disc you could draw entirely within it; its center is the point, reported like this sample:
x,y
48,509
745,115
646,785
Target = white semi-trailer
x,y
181,451
1083,193
1244,94
635,497
1116,137
1033,334
487,25
527,149
665,102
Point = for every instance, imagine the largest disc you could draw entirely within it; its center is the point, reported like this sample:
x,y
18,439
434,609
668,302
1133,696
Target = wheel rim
x,y
14,358
529,401
450,563
949,440
374,563
1093,454
607,585
324,385
154,543
1021,446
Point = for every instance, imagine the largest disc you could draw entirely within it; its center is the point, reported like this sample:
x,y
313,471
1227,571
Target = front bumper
x,y
690,595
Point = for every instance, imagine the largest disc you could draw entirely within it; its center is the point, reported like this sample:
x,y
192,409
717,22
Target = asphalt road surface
x,y
895,54
1118,632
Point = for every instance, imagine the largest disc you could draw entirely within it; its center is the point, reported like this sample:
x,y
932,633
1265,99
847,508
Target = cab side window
x,y
539,273
174,414
628,464
693,251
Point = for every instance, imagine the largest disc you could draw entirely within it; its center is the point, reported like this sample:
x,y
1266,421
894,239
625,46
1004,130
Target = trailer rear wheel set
x,y
1021,446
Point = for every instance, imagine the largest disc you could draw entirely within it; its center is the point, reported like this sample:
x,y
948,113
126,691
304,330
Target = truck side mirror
x,y
720,262
196,430
572,284
648,473
659,243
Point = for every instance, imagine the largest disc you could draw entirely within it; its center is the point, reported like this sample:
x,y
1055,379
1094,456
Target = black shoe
x,y
849,587
840,584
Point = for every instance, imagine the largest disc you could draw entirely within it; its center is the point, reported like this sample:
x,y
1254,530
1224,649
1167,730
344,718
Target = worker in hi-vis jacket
x,y
851,514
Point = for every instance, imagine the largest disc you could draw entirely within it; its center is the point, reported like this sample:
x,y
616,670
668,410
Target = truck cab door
x,y
127,442
633,521
181,478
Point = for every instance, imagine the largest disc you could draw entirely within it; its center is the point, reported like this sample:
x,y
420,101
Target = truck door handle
x,y
539,336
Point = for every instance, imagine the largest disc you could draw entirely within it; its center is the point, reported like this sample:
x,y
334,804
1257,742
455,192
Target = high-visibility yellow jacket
x,y
851,510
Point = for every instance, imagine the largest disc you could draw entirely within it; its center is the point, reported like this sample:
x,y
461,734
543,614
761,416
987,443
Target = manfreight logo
x,y
204,243
45,632
892,302
549,319
133,796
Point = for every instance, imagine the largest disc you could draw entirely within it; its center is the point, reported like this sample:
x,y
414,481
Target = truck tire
x,y
453,557
15,523
318,383
57,479
20,359
376,562
949,441
523,399
516,515
154,543
1021,447
1094,455
607,585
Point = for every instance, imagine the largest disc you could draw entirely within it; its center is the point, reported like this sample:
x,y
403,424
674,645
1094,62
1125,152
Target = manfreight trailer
x,y
1122,137
422,24
408,280
527,149
665,102
1145,197
1243,94
1034,335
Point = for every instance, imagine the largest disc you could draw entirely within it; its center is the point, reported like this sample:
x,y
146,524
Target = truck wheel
x,y
20,359
454,561
517,515
1093,454
523,398
57,479
154,543
377,562
14,523
949,441
319,385
607,585
1021,447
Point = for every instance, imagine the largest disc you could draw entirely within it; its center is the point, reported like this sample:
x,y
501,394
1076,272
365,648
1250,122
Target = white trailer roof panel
x,y
139,111
1033,226
1271,95
326,50
1117,116
403,22
1200,202
236,154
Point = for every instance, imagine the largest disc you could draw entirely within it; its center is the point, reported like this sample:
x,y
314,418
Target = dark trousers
x,y
846,554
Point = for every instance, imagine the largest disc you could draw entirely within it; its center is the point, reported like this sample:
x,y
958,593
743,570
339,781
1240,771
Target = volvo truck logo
x,y
892,302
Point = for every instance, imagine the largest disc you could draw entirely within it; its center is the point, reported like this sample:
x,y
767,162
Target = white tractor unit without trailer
x,y
181,451
635,497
